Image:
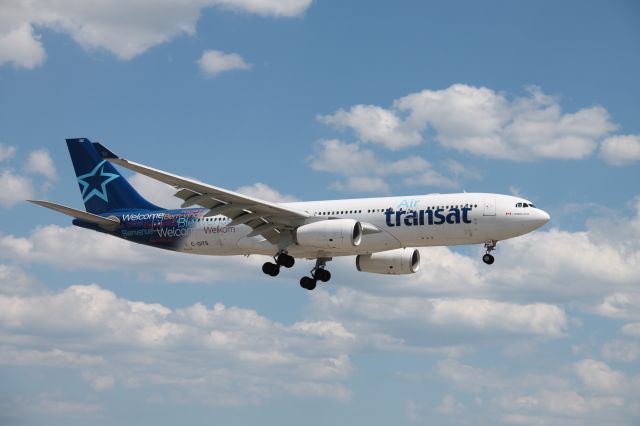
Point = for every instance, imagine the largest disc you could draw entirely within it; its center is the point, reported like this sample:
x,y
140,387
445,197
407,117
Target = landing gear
x,y
318,273
490,246
307,283
283,259
271,269
280,259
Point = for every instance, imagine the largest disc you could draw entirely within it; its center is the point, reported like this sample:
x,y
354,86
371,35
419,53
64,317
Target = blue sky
x,y
302,100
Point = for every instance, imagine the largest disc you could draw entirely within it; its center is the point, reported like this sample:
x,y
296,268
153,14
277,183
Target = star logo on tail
x,y
95,183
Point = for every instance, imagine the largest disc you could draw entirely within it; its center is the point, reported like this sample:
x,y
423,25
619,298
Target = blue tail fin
x,y
102,187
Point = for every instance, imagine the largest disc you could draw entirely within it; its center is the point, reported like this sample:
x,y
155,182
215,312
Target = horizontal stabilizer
x,y
107,223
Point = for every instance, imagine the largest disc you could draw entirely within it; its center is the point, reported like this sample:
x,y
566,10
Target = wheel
x,y
323,275
271,269
307,283
488,259
285,260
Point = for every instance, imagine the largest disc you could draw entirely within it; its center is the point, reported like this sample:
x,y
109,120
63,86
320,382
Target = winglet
x,y
104,152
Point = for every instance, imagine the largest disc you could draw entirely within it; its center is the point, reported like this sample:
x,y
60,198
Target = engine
x,y
339,234
392,262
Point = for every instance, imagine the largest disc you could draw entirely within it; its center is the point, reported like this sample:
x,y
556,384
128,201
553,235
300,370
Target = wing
x,y
265,218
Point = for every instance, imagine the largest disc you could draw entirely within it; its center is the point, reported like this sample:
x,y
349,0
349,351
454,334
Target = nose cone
x,y
541,218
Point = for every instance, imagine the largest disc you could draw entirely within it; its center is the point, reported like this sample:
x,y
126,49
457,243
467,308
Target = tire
x,y
488,259
307,283
323,275
271,269
285,260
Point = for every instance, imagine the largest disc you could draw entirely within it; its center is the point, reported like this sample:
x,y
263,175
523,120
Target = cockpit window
x,y
519,205
531,205
525,205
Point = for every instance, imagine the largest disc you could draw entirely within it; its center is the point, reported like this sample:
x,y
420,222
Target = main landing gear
x,y
490,246
281,259
318,273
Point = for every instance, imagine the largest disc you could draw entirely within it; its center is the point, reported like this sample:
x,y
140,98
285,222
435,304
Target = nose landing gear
x,y
490,246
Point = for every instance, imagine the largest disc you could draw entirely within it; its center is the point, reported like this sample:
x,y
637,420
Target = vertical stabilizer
x,y
102,187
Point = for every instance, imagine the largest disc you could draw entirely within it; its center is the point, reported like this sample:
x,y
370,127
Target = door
x,y
489,206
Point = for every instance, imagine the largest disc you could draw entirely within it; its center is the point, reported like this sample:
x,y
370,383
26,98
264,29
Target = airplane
x,y
382,233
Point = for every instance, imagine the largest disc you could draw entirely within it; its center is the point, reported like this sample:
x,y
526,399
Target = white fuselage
x,y
411,221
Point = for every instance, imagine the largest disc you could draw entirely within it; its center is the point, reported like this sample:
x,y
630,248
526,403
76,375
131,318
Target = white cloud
x,y
450,405
217,355
20,47
73,248
39,162
550,398
598,376
14,188
624,305
376,125
99,382
156,192
480,121
163,195
6,152
54,357
14,280
58,407
288,8
125,28
621,350
632,329
364,170
214,62
621,150
361,184
459,316
265,192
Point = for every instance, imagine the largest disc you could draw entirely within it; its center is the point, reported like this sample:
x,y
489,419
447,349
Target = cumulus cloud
x,y
375,124
480,121
18,187
552,397
123,28
6,152
219,355
265,192
162,194
157,192
621,150
444,320
598,376
39,162
364,171
20,47
621,350
14,189
72,248
14,280
214,62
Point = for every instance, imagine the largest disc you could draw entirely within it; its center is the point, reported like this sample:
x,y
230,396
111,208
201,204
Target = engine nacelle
x,y
392,262
339,234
